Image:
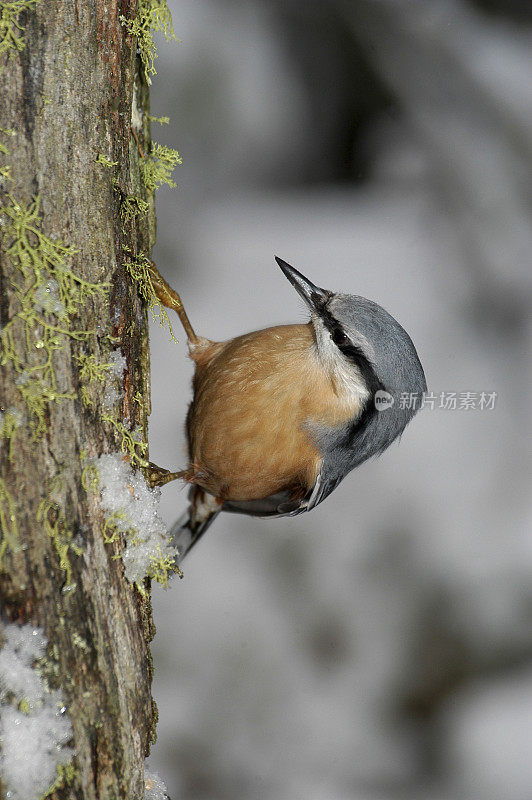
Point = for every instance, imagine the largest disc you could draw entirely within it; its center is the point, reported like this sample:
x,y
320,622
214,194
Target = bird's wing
x,y
280,504
322,489
283,504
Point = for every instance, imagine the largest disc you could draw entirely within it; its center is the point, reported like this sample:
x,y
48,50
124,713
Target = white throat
x,y
349,383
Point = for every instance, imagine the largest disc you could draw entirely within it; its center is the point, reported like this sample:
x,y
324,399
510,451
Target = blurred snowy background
x,y
379,648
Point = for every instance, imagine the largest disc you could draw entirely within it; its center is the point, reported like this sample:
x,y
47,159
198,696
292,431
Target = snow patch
x,y
22,646
118,364
133,509
155,788
31,740
114,391
47,299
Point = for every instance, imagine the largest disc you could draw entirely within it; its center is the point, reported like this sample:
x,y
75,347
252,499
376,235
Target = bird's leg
x,y
169,298
158,476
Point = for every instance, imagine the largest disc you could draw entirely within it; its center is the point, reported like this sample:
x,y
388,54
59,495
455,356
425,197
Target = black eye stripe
x,y
351,351
356,356
326,317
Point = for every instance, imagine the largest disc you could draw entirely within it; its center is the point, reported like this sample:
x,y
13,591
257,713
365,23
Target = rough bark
x,y
67,96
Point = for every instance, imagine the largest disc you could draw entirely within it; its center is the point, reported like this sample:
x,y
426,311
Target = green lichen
x,y
48,667
131,443
152,15
113,339
5,132
51,516
157,167
106,161
10,422
89,477
160,120
49,295
131,206
8,522
111,529
65,777
5,173
86,397
11,30
5,169
139,269
163,567
24,706
79,642
36,395
90,369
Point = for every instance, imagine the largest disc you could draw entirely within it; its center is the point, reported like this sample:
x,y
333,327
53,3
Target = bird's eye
x,y
339,337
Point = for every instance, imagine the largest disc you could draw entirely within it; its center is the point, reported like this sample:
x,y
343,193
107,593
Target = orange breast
x,y
253,397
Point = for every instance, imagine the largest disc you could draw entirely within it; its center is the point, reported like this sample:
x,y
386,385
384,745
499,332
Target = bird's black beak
x,y
313,296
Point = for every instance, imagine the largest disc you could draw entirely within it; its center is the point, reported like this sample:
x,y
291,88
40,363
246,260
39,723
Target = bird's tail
x,y
202,510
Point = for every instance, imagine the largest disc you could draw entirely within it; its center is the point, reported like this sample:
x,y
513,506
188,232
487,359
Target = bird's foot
x,y
163,291
170,299
158,476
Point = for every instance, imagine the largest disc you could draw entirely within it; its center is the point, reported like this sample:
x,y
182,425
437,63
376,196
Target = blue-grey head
x,y
375,358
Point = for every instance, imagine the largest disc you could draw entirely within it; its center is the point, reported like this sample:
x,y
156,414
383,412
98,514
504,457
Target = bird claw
x,y
170,299
164,293
159,476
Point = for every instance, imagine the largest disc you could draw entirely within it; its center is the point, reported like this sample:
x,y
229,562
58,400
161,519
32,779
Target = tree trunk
x,y
75,213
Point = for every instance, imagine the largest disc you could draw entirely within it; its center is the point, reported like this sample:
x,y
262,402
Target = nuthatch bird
x,y
280,416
